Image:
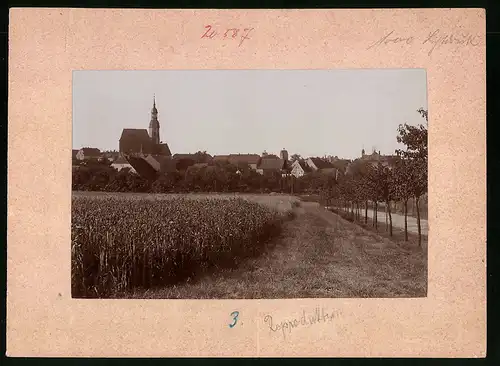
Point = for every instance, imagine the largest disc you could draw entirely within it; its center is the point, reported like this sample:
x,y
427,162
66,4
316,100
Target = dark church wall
x,y
134,146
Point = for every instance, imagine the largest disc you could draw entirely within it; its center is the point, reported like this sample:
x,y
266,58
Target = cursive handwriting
x,y
437,39
227,33
390,38
308,320
434,40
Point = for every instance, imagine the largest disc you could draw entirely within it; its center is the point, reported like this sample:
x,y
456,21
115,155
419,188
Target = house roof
x,y
271,164
341,164
120,160
243,158
91,151
111,154
221,157
389,158
329,170
167,164
321,164
306,168
142,167
184,156
200,165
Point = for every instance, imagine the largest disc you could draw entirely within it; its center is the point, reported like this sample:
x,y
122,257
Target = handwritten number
x,y
234,30
234,33
211,35
235,315
245,36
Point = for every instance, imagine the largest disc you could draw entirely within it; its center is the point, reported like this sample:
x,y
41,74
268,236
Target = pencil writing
x,y
227,33
305,320
434,40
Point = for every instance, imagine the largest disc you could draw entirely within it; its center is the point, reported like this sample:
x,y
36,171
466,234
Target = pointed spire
x,y
154,111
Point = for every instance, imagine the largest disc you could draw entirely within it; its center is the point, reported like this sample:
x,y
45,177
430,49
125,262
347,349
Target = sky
x,y
308,112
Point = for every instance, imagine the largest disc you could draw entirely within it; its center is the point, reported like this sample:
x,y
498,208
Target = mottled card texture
x,y
47,45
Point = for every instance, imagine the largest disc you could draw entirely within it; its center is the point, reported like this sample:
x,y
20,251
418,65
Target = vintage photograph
x,y
249,184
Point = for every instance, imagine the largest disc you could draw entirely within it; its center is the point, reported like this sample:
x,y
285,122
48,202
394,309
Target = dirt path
x,y
399,221
318,255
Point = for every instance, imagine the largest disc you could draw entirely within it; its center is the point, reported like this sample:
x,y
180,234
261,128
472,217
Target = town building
x,y
110,155
142,141
121,163
318,164
299,168
373,159
87,153
376,158
251,160
323,165
185,156
284,154
271,163
340,164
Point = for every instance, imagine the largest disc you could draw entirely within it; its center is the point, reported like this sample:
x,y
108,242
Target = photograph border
x,y
450,322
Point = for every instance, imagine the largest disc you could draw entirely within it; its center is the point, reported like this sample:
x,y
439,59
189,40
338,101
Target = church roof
x,y
135,133
162,149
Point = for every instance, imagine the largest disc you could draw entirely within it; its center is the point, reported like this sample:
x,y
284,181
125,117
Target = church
x,y
134,141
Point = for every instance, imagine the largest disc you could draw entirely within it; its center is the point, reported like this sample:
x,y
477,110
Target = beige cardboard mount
x,y
46,45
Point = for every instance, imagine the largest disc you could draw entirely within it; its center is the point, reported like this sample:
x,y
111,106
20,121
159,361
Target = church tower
x,y
154,125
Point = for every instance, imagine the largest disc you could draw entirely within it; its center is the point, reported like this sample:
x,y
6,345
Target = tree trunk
x,y
386,223
373,214
406,219
390,219
366,212
376,215
374,219
418,222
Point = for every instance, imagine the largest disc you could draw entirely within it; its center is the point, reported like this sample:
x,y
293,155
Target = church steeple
x,y
154,125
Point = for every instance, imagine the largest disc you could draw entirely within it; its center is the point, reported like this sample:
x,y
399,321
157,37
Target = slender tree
x,y
415,140
384,175
402,187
